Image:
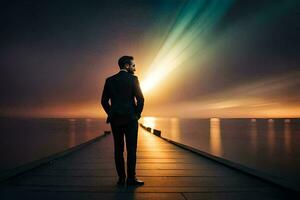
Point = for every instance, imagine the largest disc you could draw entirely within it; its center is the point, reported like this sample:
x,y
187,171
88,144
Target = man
x,y
125,108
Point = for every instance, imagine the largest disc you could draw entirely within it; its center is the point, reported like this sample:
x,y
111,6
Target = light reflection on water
x,y
253,135
149,122
269,145
271,136
175,131
215,137
287,136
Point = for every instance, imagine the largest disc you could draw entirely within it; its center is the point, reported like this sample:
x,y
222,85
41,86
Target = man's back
x,y
122,89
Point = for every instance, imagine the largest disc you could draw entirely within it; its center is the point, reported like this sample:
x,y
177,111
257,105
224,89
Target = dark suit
x,y
125,108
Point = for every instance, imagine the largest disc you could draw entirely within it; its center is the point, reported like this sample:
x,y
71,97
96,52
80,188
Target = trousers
x,y
130,132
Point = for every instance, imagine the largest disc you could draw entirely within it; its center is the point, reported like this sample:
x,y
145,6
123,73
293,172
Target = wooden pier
x,y
169,172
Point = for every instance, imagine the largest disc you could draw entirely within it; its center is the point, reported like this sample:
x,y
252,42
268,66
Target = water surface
x,y
25,139
271,146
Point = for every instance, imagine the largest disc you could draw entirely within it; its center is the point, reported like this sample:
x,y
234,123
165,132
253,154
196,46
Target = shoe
x,y
121,181
134,181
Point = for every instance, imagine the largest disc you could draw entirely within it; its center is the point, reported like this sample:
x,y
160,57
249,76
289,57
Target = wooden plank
x,y
149,181
186,166
140,172
142,160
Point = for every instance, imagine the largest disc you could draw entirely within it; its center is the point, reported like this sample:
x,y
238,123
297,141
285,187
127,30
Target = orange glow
x,y
257,99
175,130
215,136
149,122
88,110
182,109
252,100
151,142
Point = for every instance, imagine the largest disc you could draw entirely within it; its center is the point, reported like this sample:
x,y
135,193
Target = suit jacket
x,y
126,98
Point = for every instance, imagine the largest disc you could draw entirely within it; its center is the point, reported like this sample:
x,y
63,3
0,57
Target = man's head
x,y
127,62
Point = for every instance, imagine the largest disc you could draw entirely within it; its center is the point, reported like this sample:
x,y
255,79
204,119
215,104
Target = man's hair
x,y
124,60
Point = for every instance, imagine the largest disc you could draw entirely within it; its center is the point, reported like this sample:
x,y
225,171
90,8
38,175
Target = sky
x,y
197,58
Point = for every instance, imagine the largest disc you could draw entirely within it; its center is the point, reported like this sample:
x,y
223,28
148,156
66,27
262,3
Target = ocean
x,y
24,140
270,146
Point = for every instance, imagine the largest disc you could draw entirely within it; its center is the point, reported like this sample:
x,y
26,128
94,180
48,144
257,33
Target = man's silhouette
x,y
124,110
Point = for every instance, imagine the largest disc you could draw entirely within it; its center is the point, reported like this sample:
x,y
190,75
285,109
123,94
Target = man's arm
x,y
105,98
139,97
